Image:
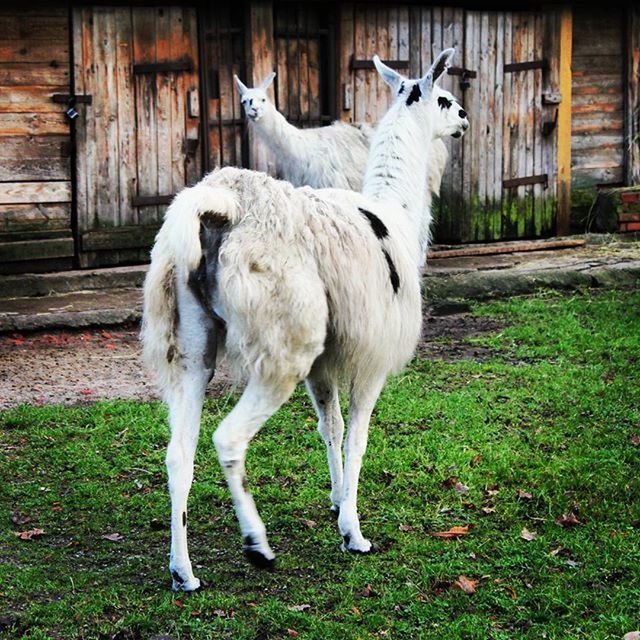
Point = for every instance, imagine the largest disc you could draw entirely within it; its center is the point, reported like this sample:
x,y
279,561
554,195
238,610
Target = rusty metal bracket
x,y
519,182
526,66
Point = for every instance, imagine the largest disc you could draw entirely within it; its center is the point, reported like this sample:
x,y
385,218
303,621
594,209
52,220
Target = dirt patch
x,y
81,366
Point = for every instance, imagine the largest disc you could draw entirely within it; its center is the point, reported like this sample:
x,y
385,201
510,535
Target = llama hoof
x,y
182,584
258,559
352,546
335,510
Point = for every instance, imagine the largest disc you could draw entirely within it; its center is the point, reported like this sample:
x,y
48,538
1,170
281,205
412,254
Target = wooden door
x,y
137,134
500,178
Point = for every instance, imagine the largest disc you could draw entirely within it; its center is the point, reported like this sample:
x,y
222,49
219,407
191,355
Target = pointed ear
x,y
241,87
391,77
442,63
267,81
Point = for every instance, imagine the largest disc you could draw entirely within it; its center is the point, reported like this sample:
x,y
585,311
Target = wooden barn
x,y
106,110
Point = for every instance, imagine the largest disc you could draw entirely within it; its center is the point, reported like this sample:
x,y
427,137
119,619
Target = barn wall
x,y
598,111
35,172
633,96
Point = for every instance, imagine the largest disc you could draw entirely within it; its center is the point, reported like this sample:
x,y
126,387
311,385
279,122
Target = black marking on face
x,y
393,274
377,225
444,103
401,90
177,577
184,518
457,134
415,95
462,113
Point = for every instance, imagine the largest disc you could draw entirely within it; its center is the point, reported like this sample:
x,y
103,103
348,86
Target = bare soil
x,y
75,367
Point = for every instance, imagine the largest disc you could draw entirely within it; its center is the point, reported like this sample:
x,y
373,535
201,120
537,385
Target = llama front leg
x,y
324,395
258,402
361,405
185,408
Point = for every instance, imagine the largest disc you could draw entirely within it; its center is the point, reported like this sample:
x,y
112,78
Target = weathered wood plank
x,y
18,169
346,46
37,124
49,28
34,147
30,99
36,249
18,74
359,51
32,217
509,214
30,192
632,133
53,53
126,237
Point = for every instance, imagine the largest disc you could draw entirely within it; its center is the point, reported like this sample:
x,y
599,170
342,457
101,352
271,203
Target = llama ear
x,y
241,87
267,81
391,77
442,63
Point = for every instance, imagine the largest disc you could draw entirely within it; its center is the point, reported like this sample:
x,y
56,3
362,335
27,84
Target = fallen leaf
x,y
476,460
449,482
293,633
527,535
523,495
555,552
309,523
18,518
178,603
510,590
488,510
492,492
635,439
405,527
113,537
568,520
29,535
356,611
368,592
571,563
461,488
466,584
454,532
299,607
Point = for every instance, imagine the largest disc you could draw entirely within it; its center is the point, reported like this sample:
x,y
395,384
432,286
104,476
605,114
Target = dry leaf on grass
x,y
29,535
368,592
299,607
405,527
568,520
454,532
292,633
466,584
523,495
113,537
18,518
527,535
461,488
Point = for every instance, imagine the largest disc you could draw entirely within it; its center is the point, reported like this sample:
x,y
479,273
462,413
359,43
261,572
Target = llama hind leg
x,y
185,407
363,399
258,402
324,395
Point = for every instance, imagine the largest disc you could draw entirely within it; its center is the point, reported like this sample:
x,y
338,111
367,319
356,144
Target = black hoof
x,y
335,511
259,560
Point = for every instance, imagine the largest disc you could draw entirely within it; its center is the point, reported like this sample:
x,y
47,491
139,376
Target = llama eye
x,y
264,99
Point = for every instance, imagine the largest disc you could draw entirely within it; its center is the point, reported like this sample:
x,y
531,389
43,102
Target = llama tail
x,y
176,253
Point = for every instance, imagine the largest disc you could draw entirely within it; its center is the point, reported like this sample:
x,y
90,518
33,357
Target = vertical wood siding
x,y
137,138
633,96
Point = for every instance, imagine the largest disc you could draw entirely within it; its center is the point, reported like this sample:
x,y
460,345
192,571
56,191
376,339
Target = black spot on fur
x,y
177,577
393,274
211,349
444,103
415,95
401,90
377,225
184,518
171,353
229,464
245,484
347,539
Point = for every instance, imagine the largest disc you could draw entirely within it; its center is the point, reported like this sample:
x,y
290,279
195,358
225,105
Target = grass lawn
x,y
541,439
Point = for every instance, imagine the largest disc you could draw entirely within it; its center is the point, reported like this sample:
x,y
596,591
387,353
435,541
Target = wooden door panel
x,y
136,140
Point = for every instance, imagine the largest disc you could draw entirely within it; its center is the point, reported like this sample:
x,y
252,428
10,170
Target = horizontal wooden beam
x,y
368,64
150,201
130,237
36,249
498,248
526,66
28,192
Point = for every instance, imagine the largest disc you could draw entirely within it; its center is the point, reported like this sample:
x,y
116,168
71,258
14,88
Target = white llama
x,y
332,156
293,284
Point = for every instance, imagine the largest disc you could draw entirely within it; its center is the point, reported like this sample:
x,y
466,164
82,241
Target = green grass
x,y
552,413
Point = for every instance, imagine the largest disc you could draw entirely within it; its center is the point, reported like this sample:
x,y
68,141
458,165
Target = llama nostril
x,y
462,113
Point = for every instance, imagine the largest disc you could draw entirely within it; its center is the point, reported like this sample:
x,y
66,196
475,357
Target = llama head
x,y
429,100
255,101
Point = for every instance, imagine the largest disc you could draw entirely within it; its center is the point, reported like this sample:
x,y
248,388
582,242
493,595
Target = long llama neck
x,y
397,165
276,132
